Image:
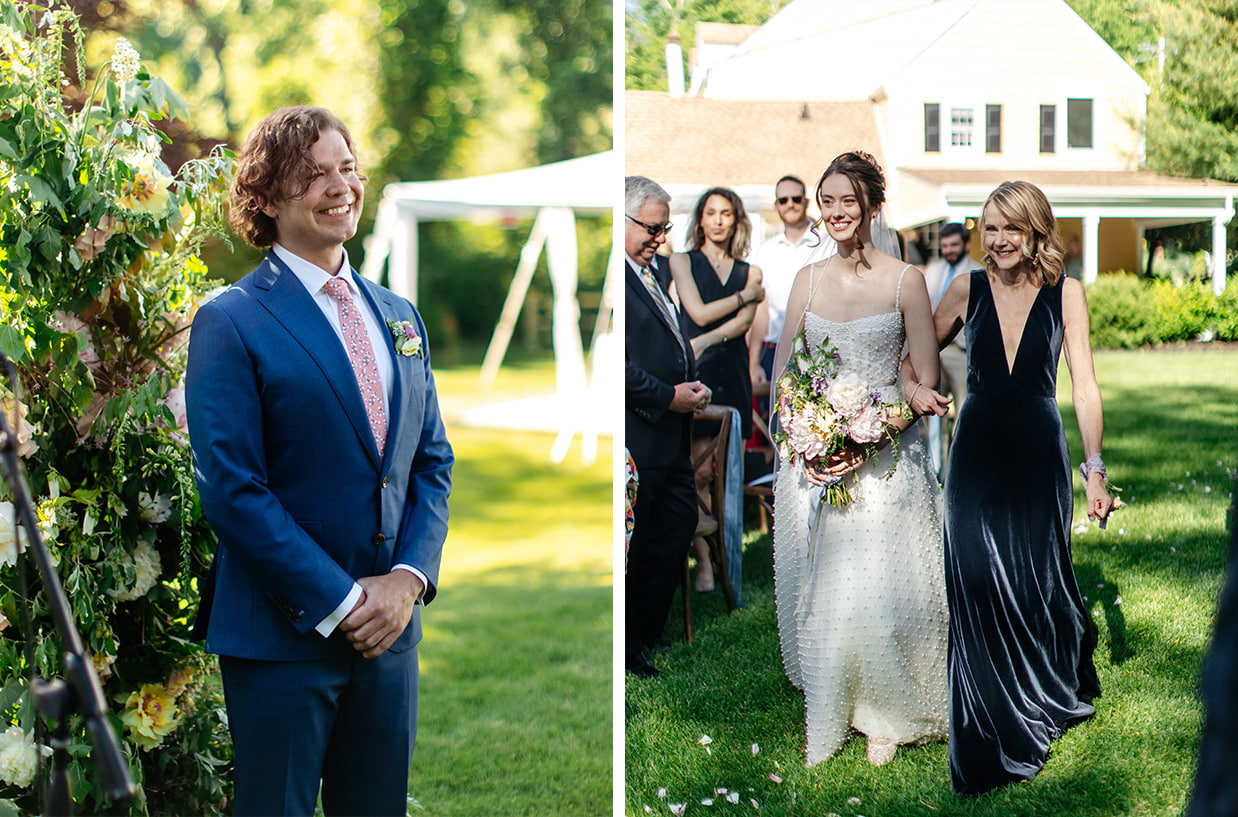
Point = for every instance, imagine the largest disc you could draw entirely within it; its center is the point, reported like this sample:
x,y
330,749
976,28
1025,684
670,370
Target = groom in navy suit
x,y
324,471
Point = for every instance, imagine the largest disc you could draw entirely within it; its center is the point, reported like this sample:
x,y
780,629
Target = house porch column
x,y
1091,248
1218,254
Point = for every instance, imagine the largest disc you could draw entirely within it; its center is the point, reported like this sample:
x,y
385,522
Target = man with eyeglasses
x,y
661,395
780,258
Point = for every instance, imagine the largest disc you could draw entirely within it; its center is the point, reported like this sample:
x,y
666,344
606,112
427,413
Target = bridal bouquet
x,y
823,407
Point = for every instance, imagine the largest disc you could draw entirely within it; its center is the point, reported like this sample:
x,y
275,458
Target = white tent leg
x,y
515,300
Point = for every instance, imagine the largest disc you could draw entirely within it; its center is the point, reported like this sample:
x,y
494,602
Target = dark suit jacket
x,y
654,364
289,473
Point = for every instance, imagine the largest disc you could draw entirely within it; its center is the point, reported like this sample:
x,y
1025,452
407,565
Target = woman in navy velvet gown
x,y
1021,642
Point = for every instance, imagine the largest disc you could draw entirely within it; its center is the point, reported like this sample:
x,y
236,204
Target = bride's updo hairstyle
x,y
866,180
1025,206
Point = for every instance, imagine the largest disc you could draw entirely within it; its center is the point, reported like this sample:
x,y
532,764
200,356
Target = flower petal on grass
x,y
732,797
775,778
707,801
705,740
677,808
755,750
853,801
662,792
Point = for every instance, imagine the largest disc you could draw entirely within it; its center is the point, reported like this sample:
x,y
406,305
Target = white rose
x,y
848,394
154,509
149,566
18,757
8,535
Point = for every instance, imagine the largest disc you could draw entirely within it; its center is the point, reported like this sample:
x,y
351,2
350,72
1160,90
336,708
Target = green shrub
x,y
1182,312
1121,313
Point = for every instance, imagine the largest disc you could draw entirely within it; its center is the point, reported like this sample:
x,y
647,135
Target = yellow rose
x,y
150,713
147,192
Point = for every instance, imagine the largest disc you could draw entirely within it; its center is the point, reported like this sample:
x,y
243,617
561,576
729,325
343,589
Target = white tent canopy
x,y
552,195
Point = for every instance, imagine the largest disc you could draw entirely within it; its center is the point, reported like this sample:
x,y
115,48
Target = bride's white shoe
x,y
881,752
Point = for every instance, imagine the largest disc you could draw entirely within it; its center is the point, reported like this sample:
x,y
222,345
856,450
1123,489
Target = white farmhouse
x,y
952,97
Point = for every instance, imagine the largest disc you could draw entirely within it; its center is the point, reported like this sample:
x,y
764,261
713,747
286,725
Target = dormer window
x,y
962,123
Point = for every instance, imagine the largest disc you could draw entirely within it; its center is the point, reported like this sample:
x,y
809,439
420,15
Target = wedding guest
x,y
1021,641
324,471
955,245
720,293
781,257
661,393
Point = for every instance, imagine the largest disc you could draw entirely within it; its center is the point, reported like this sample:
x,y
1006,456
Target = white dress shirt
x,y
780,261
314,278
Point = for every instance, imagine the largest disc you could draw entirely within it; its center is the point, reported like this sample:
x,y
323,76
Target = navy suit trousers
x,y
350,718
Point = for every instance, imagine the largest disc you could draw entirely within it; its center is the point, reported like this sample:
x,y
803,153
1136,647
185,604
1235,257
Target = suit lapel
x,y
642,293
285,298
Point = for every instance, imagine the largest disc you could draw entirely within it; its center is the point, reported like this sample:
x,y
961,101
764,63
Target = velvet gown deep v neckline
x,y
1021,643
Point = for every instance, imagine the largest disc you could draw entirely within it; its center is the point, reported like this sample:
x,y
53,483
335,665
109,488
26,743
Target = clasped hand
x,y
383,611
821,472
925,401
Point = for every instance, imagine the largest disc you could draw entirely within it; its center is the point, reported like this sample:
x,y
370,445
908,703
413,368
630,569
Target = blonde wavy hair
x,y
1024,205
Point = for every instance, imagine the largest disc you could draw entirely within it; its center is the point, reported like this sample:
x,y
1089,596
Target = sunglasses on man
x,y
654,230
782,200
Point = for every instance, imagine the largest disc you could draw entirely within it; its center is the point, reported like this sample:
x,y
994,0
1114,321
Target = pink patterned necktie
x,y
361,354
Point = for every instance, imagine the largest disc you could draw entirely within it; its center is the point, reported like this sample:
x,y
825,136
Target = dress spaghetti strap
x,y
898,293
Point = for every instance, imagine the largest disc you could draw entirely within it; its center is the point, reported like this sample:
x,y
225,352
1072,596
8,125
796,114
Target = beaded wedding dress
x,y
860,590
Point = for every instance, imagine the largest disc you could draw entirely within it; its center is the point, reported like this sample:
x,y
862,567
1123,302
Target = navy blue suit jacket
x,y
289,472
654,364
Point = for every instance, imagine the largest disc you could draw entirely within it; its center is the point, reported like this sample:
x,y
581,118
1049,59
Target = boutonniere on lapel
x,y
407,341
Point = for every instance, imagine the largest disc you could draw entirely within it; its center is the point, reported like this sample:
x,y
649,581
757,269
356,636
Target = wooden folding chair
x,y
717,507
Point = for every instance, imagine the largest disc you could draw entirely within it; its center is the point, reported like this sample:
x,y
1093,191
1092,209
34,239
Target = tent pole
x,y
515,300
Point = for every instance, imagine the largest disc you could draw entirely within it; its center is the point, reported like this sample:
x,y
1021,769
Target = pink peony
x,y
868,426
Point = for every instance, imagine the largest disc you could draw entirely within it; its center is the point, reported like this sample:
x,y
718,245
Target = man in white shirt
x,y
938,275
780,258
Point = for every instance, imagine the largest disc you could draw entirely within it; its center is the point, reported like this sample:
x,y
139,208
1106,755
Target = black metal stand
x,y
80,692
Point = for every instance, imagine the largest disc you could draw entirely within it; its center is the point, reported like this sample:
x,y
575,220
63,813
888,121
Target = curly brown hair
x,y
275,166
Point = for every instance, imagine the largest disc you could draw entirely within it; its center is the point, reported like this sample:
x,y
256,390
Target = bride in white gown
x,y
860,590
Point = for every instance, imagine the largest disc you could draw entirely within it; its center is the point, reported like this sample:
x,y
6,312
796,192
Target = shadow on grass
x,y
1134,757
516,696
1105,593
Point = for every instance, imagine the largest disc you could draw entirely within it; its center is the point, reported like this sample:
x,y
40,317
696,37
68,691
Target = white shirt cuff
x,y
328,624
425,583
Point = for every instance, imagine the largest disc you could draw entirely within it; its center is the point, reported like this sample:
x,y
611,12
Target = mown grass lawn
x,y
1151,581
515,707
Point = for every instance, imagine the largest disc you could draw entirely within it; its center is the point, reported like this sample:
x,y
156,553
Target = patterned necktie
x,y
664,303
361,354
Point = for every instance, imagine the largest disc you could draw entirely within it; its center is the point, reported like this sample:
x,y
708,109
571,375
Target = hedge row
x,y
1129,312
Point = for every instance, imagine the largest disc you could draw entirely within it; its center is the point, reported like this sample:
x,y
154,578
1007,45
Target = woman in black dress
x,y
1021,642
719,292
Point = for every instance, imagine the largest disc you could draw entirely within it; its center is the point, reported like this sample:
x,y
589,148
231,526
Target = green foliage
x,y
651,21
99,280
1128,312
424,91
1120,313
570,46
1149,581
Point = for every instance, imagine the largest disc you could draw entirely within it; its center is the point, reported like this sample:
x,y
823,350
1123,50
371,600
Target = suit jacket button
x,y
385,481
378,539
